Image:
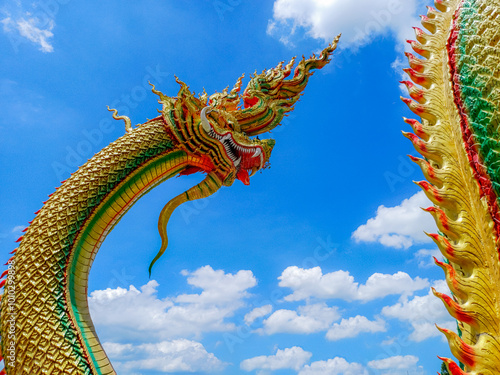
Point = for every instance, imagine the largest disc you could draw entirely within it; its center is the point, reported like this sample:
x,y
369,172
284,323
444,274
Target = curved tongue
x,y
243,176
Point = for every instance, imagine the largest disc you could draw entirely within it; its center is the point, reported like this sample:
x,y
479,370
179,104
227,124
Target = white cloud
x,y
422,313
425,257
18,228
397,365
352,327
131,314
335,366
257,313
359,21
309,319
380,285
311,282
394,363
167,356
291,358
400,226
398,65
32,29
218,287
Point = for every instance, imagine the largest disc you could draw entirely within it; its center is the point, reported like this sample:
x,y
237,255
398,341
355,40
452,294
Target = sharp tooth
x,y
257,153
254,170
237,162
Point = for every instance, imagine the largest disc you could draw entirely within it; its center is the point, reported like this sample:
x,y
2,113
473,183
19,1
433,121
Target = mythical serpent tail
x,y
457,96
204,189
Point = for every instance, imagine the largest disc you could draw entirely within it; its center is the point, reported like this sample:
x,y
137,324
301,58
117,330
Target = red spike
x,y
416,64
417,142
20,239
13,251
24,230
420,34
458,312
29,222
408,84
62,182
2,283
441,216
431,10
417,47
452,366
415,92
430,188
451,276
418,30
427,23
450,252
466,353
426,167
4,273
414,159
439,5
407,101
418,109
36,213
417,77
416,126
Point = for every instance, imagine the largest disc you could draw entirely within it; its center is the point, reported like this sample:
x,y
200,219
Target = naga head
x,y
219,128
215,132
245,156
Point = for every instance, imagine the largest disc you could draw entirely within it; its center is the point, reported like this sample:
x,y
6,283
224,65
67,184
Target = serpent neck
x,y
50,315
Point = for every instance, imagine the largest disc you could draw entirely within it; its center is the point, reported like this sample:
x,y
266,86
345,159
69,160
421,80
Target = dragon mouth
x,y
246,157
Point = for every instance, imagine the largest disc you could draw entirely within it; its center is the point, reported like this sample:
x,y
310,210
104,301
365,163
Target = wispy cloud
x,y
18,228
32,29
257,313
399,227
425,257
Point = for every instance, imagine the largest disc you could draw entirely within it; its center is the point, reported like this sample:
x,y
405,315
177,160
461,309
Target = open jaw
x,y
242,156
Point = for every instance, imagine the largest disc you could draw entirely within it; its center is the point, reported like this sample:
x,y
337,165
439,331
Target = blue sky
x,y
318,267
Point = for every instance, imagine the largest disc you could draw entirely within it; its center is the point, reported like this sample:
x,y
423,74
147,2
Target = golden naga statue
x,y
456,93
45,323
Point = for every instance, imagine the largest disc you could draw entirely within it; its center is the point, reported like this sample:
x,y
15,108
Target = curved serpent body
x,y
45,322
457,97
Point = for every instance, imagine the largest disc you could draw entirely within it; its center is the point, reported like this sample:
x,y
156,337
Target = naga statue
x,y
456,93
45,323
